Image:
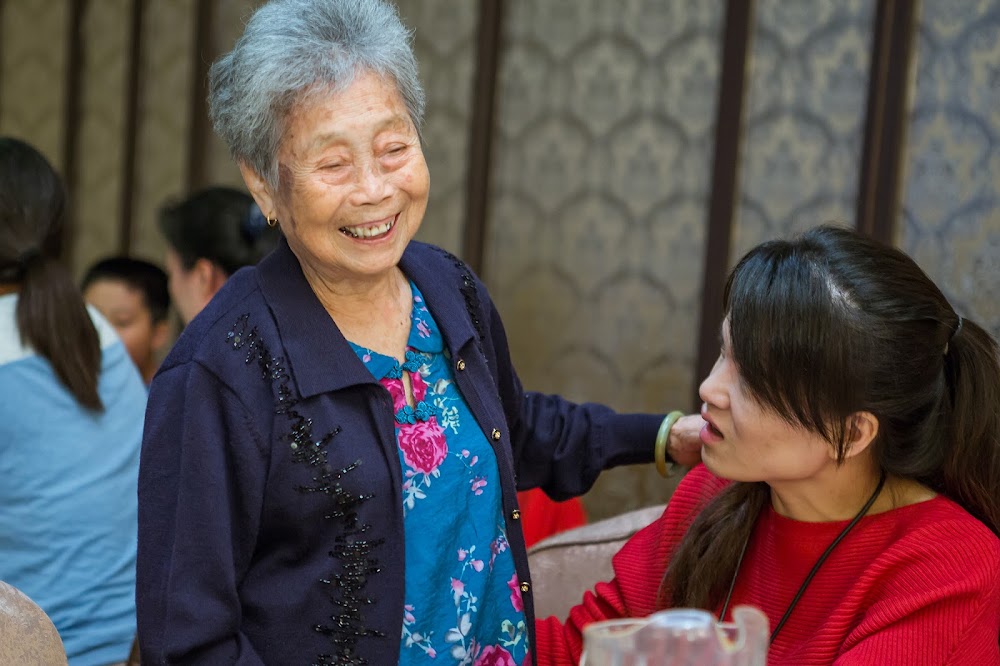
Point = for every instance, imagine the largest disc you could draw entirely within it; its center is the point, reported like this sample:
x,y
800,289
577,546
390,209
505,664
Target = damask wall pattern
x,y
100,156
951,205
28,110
444,34
805,117
600,184
164,118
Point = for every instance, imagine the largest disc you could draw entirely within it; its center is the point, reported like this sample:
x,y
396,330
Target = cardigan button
x,y
460,365
496,435
515,514
525,587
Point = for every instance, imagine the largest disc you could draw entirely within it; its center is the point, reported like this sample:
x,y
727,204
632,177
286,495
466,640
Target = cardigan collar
x,y
320,358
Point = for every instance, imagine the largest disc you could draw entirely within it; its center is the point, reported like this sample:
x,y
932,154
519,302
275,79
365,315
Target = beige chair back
x,y
566,565
27,635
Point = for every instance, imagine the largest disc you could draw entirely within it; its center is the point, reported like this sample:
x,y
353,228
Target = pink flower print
x,y
423,330
431,652
515,593
457,588
419,387
423,445
465,453
367,357
461,554
408,613
477,565
494,655
396,390
474,460
476,485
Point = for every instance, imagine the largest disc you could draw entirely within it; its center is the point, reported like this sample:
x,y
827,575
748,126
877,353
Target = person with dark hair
x,y
70,427
334,445
851,479
132,295
211,234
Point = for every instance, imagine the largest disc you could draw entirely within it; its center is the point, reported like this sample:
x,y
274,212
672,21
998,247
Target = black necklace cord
x,y
822,558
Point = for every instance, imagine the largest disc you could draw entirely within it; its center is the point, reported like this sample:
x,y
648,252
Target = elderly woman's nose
x,y
372,183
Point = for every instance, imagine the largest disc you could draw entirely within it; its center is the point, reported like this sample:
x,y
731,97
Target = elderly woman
x,y
333,447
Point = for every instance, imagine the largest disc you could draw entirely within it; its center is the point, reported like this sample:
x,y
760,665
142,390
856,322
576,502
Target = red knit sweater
x,y
915,585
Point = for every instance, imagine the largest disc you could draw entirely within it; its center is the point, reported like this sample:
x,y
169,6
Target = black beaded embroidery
x,y
347,622
468,290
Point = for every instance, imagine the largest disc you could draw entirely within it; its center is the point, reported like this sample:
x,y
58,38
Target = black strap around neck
x,y
812,572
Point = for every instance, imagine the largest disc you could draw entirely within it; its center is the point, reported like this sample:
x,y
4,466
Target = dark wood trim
x,y
72,116
725,170
880,184
481,131
133,94
201,60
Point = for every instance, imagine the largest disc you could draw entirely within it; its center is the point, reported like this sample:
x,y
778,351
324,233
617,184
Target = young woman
x,y
851,470
70,428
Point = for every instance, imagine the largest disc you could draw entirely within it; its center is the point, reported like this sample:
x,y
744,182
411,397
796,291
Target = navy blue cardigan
x,y
270,508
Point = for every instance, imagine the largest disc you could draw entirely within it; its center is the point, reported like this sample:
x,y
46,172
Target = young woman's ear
x,y
862,429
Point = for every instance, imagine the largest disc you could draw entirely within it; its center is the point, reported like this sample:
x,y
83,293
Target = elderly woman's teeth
x,y
369,232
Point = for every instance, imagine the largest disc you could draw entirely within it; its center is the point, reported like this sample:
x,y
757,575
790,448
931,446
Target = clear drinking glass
x,y
678,637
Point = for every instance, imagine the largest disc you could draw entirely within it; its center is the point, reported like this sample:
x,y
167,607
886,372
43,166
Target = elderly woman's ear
x,y
260,189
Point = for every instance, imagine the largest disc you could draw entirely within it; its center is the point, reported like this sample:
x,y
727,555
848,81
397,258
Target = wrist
x,y
661,454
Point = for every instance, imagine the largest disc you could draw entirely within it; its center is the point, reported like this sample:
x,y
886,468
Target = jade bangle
x,y
662,437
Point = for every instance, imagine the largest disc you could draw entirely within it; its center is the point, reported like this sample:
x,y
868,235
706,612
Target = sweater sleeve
x,y
558,445
201,486
940,609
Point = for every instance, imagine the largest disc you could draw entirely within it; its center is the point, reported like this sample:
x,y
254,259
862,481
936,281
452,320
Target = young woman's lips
x,y
710,434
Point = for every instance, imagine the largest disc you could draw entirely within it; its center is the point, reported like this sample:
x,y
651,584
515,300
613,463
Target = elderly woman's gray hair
x,y
294,48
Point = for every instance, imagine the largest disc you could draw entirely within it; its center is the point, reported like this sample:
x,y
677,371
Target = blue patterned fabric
x,y
463,601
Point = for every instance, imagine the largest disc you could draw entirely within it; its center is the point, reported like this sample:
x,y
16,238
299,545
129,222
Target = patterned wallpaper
x,y
164,118
808,84
101,130
32,73
600,185
951,204
444,42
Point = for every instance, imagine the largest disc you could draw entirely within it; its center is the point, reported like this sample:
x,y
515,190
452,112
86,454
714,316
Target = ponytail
x,y
53,320
971,466
706,559
51,316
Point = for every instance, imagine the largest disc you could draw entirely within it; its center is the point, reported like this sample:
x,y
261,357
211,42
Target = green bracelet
x,y
662,437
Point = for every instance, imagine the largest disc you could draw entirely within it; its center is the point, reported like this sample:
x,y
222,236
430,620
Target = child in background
x,y
132,295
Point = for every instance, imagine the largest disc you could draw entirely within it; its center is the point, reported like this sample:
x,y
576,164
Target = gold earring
x,y
271,222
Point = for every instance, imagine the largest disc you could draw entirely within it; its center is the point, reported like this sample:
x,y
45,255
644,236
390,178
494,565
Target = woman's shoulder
x,y
235,315
939,540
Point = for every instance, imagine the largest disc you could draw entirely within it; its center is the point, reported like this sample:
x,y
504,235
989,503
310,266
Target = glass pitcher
x,y
678,637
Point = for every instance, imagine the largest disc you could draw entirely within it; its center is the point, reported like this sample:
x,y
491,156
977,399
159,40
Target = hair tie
x,y
958,327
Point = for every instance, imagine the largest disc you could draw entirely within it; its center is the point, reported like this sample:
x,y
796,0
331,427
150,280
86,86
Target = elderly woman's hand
x,y
684,445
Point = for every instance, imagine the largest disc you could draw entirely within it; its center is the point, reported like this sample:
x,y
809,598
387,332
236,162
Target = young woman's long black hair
x,y
831,324
51,315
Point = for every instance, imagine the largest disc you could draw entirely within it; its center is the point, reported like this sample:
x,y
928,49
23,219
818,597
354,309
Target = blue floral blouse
x,y
463,600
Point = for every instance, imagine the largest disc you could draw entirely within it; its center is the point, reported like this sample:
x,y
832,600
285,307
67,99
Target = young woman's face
x,y
745,441
188,290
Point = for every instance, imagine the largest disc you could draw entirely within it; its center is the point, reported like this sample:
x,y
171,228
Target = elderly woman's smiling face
x,y
353,182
